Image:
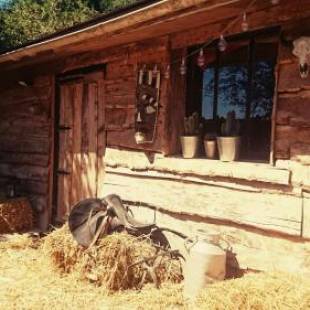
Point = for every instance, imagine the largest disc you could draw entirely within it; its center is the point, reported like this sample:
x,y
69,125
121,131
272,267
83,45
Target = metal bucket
x,y
205,263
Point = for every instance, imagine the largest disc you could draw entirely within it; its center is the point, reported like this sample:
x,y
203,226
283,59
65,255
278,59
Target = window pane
x,y
208,93
232,90
261,105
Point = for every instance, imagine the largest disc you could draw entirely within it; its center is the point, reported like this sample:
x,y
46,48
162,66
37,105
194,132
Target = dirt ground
x,y
28,281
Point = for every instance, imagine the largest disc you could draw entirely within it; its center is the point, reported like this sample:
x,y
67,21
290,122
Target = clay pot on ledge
x,y
190,146
210,146
229,148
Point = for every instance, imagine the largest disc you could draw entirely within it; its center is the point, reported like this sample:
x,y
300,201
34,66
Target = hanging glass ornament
x,y
222,45
139,119
201,61
167,73
245,24
155,71
183,67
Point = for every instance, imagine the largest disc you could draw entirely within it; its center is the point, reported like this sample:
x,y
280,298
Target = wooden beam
x,y
118,24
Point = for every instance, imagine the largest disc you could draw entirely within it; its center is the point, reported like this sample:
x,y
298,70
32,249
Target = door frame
x,y
67,76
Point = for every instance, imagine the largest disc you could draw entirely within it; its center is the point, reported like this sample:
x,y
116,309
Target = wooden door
x,y
81,142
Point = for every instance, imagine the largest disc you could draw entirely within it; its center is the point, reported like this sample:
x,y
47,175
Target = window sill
x,y
196,167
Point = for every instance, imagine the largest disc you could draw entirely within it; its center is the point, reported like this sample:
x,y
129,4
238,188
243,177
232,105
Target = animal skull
x,y
302,51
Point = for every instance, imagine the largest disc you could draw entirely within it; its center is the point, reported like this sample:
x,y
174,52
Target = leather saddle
x,y
91,219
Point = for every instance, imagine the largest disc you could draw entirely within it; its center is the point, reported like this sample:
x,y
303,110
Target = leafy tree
x,y
108,5
24,20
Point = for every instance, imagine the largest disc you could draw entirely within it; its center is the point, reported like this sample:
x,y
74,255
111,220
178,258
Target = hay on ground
x,y
28,281
118,262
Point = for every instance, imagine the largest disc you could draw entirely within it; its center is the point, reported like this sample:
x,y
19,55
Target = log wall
x,y
292,134
120,94
26,127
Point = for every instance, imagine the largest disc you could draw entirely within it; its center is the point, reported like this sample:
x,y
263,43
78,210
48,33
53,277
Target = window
x,y
241,79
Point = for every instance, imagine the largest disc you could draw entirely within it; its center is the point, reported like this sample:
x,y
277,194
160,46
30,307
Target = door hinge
x,y
64,128
63,172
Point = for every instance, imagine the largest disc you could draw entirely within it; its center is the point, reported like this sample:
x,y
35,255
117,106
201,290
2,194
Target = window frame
x,y
193,100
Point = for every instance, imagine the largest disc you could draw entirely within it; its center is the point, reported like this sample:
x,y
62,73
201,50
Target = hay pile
x,y
117,262
35,285
15,215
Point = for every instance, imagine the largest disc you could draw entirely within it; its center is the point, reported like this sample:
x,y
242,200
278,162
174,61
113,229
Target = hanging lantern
x,y
222,45
183,67
244,24
275,2
167,73
155,71
201,61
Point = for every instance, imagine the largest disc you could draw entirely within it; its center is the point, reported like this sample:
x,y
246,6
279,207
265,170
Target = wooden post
x,y
274,109
305,212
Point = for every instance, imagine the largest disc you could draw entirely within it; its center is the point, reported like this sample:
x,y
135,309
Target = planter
x,y
229,148
190,145
210,148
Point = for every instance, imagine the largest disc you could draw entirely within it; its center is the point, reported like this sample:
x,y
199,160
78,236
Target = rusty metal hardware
x,y
64,128
63,172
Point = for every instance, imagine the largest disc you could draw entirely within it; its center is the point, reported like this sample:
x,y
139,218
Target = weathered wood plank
x,y
290,80
300,152
118,101
119,118
24,171
294,109
267,211
13,144
197,167
253,249
76,187
24,158
65,151
101,133
306,215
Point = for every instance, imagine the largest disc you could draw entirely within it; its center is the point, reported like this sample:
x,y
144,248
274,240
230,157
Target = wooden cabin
x,y
72,103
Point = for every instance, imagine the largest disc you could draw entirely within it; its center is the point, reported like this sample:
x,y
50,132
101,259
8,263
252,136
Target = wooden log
x,y
176,92
260,18
24,158
120,118
306,214
24,172
121,87
300,152
259,210
126,139
197,167
115,70
251,249
116,100
290,80
14,144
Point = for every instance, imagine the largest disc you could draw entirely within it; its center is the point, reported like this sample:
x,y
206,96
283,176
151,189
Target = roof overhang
x,y
112,28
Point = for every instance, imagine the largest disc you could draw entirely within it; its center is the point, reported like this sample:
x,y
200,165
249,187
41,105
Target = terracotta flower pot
x,y
190,145
210,148
229,148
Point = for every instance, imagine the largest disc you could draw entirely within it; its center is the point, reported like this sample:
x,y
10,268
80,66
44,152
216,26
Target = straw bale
x,y
118,262
15,215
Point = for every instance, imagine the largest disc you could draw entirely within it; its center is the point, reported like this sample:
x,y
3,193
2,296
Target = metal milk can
x,y
205,263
